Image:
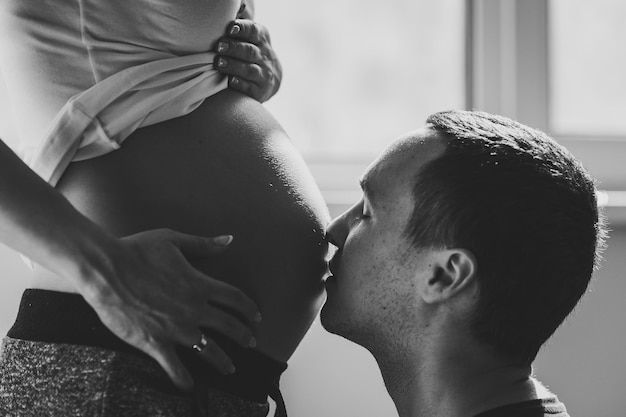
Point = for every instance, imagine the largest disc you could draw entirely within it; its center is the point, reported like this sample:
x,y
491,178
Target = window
x,y
522,58
587,64
587,106
360,73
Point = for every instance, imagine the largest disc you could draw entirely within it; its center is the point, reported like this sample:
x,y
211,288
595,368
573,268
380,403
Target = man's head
x,y
477,205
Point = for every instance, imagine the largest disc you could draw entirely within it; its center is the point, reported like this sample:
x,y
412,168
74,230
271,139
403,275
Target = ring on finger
x,y
199,347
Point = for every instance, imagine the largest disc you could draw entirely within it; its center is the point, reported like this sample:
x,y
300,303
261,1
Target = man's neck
x,y
454,385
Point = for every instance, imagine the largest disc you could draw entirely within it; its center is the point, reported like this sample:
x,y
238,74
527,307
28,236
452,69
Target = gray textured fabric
x,y
44,379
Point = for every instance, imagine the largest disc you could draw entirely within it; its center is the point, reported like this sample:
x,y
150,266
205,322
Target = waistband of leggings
x,y
59,317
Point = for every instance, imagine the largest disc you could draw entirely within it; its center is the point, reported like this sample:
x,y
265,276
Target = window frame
x,y
507,72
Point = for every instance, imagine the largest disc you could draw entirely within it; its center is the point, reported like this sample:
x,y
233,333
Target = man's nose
x,y
337,231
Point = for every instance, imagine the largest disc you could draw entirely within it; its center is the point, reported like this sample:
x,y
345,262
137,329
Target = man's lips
x,y
332,264
332,268
331,280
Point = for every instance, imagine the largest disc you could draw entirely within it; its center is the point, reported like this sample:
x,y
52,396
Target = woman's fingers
x,y
214,291
171,364
245,71
247,56
242,51
249,31
155,300
221,294
192,246
201,287
248,88
210,352
206,349
257,81
219,321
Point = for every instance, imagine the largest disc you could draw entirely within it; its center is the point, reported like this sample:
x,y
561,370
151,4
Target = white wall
x,y
584,362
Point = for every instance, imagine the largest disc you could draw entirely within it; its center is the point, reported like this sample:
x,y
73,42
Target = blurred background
x,y
359,73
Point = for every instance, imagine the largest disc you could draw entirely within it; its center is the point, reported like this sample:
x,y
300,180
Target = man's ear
x,y
449,272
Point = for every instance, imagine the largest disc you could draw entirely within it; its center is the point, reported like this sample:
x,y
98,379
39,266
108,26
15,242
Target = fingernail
x,y
258,317
223,240
234,80
235,29
252,342
221,62
222,47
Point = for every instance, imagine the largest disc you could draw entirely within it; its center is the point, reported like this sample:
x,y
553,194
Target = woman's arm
x,y
142,286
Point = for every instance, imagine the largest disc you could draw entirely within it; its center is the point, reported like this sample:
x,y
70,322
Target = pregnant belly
x,y
227,168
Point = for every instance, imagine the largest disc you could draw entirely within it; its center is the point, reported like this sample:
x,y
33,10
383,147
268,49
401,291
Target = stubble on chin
x,y
342,325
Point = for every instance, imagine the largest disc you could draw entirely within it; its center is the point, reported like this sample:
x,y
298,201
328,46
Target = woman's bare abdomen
x,y
227,168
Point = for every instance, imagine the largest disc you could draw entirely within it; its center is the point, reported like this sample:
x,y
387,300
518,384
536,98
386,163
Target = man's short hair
x,y
527,209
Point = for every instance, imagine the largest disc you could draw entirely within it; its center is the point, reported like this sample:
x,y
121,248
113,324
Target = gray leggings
x,y
54,379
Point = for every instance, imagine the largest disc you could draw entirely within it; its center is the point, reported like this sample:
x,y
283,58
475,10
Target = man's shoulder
x,y
545,407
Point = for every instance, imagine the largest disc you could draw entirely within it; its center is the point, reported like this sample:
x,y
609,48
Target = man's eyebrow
x,y
367,189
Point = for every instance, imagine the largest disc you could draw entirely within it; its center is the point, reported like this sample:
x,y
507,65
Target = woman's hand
x,y
158,301
143,287
245,54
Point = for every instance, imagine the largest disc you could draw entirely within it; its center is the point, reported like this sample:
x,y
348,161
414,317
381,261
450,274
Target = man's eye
x,y
361,213
360,217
